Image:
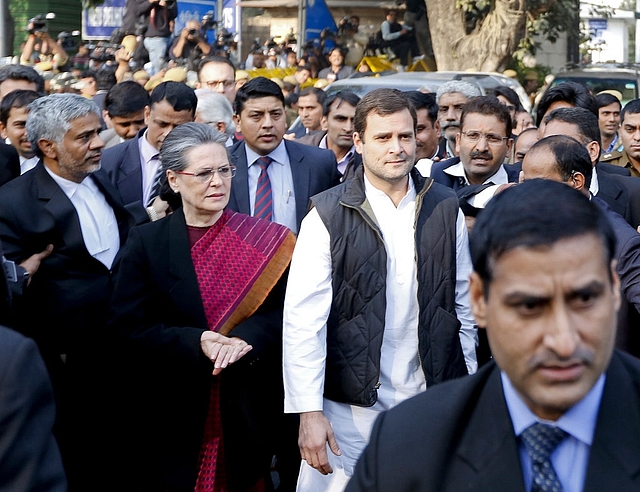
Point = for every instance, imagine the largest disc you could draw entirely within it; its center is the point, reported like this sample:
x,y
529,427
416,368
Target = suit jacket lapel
x,y
300,174
614,459
489,445
130,178
185,290
60,208
239,198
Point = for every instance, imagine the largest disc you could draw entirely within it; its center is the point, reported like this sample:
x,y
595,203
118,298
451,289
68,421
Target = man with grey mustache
x,y
451,98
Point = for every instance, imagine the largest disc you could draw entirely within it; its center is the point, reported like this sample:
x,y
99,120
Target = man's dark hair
x,y
488,106
536,213
427,101
16,99
126,98
349,97
22,72
509,94
632,107
583,119
382,102
255,89
572,93
605,99
86,74
570,155
105,78
179,95
216,59
321,96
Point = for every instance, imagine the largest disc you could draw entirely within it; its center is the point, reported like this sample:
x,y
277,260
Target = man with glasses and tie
x,y
558,409
483,145
134,166
218,74
275,177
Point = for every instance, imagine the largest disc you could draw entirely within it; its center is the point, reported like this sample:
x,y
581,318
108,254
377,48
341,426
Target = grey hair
x,y
214,108
184,138
465,88
50,117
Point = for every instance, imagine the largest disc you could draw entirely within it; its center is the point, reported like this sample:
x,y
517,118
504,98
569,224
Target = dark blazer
x,y
605,167
70,284
313,170
628,256
122,164
622,194
29,455
459,436
65,306
9,163
157,309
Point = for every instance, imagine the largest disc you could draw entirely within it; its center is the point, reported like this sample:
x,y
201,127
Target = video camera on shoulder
x,y
39,23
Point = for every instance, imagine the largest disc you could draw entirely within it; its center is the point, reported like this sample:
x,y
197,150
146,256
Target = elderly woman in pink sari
x,y
198,298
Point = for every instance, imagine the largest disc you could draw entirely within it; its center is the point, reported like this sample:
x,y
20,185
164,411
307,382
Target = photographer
x,y
158,16
398,37
190,45
40,47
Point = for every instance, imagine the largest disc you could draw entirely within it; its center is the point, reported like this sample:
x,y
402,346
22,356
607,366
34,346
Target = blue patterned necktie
x,y
541,440
263,207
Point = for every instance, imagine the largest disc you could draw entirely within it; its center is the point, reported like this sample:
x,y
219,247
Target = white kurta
x,y
307,304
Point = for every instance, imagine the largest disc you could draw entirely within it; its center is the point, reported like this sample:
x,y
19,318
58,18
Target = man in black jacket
x,y
376,306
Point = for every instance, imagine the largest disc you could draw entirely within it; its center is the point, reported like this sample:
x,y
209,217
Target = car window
x,y
628,87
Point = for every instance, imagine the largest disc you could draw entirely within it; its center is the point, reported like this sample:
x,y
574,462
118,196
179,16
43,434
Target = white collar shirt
x,y
28,164
97,220
307,306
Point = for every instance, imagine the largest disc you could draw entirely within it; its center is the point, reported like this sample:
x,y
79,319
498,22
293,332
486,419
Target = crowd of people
x,y
209,302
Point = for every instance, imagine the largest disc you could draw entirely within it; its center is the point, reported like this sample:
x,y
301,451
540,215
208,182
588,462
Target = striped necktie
x,y
541,440
263,207
157,180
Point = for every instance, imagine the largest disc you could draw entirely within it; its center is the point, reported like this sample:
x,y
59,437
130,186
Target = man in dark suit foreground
x,y
546,290
66,201
29,456
290,171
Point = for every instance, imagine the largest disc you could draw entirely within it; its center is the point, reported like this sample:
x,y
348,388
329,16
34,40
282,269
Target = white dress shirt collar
x,y
279,155
500,176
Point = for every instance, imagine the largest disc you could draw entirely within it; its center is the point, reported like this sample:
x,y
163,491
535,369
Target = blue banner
x,y
194,10
99,22
318,18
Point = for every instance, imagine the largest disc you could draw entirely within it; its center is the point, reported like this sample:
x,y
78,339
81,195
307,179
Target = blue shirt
x,y
571,457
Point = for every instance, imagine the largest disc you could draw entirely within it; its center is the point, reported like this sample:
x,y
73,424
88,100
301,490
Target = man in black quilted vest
x,y
377,306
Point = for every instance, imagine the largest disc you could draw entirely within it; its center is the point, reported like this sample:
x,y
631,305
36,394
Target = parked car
x,y
604,77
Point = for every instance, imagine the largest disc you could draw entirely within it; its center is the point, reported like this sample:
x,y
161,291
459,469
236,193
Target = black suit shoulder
x,y
9,163
29,455
612,169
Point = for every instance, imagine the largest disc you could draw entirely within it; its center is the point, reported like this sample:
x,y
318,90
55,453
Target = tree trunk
x,y
490,45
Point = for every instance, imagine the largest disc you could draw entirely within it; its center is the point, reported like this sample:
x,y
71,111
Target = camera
x,y
39,23
209,21
193,32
